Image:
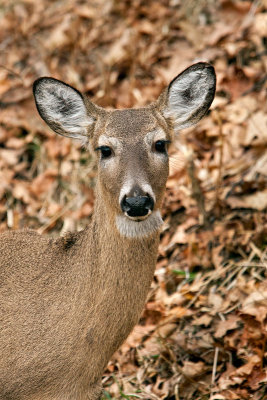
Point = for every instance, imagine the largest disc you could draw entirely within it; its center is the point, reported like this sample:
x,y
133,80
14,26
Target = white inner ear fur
x,y
133,229
61,104
180,109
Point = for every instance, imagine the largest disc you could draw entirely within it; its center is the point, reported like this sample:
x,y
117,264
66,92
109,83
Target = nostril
x,y
149,204
137,206
125,206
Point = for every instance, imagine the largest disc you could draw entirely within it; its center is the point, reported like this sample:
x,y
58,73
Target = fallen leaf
x,y
205,320
256,130
256,200
256,305
224,326
192,370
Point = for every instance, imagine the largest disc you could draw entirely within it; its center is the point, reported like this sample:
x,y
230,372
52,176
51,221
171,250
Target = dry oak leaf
x,y
236,376
62,34
180,236
192,370
257,378
257,129
86,11
168,325
138,333
166,330
43,182
21,192
256,305
175,299
256,200
10,157
254,361
205,320
215,301
240,110
6,176
224,380
224,326
260,24
15,143
219,31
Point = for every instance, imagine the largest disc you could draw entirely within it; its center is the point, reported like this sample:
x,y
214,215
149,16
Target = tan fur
x,y
67,304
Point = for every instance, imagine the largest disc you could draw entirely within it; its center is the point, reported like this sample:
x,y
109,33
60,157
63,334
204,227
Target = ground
x,y
203,332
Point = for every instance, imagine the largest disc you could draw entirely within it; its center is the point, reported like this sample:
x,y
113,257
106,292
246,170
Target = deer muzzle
x,y
137,206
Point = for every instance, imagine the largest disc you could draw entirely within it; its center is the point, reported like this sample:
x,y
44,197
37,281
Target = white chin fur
x,y
134,229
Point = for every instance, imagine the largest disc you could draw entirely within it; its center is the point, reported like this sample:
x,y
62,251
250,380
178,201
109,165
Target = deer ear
x,y
62,107
189,96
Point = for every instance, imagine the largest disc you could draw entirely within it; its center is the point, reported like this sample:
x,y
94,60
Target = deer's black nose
x,y
137,206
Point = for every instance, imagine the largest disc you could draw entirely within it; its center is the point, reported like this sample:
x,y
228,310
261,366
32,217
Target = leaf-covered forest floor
x,y
203,331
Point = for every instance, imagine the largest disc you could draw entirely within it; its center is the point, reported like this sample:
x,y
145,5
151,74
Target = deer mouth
x,y
138,227
138,218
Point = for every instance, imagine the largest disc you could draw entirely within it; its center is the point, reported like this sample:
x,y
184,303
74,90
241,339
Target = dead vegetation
x,y
203,332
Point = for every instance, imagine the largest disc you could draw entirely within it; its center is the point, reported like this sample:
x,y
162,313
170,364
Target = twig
x,y
214,276
258,252
221,144
250,15
58,215
176,391
197,193
214,368
12,72
215,361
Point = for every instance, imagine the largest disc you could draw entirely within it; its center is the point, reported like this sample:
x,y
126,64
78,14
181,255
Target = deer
x,y
68,303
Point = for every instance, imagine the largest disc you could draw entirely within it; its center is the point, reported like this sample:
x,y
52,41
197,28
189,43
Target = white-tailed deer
x,y
67,304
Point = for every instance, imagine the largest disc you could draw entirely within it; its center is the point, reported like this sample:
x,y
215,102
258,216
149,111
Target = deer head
x,y
132,144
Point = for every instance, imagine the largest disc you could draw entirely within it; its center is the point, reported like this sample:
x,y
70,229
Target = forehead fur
x,y
127,123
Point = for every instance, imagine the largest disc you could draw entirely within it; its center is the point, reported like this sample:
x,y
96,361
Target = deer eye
x,y
106,151
161,146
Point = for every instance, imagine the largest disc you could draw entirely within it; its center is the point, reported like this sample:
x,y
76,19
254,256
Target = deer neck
x,y
116,252
115,275
122,267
